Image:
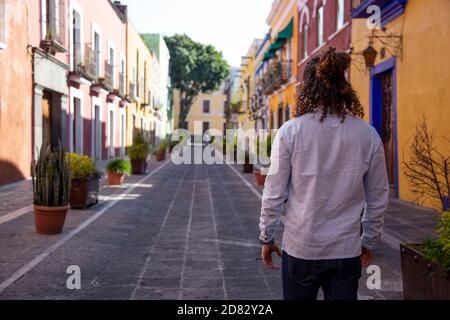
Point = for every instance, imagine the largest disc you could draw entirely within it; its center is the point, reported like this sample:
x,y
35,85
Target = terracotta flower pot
x,y
260,177
160,156
115,179
50,220
138,166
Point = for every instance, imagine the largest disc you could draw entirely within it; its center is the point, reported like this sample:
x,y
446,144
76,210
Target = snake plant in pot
x,y
51,190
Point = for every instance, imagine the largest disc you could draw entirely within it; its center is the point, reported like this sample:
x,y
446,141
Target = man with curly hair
x,y
327,166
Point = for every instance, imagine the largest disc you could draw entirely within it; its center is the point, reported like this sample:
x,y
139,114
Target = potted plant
x,y
138,154
426,267
160,153
84,180
262,170
51,190
117,170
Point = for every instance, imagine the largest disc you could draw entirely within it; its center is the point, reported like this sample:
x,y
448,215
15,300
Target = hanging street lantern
x,y
370,55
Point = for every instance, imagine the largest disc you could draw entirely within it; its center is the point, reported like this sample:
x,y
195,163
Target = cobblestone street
x,y
181,232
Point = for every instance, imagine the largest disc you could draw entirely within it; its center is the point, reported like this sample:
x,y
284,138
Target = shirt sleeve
x,y
276,188
376,187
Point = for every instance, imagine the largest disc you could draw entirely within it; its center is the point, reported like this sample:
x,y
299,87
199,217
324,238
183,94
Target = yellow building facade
x,y
247,88
139,113
410,78
280,76
207,112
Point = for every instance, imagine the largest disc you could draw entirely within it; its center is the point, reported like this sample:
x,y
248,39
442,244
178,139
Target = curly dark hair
x,y
326,89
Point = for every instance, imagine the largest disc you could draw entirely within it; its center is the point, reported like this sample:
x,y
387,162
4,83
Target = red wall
x,y
340,40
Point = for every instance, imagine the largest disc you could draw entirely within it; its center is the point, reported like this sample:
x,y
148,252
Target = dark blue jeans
x,y
338,279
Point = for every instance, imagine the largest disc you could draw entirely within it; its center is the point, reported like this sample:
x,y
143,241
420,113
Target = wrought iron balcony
x,y
109,75
54,37
89,67
132,90
122,84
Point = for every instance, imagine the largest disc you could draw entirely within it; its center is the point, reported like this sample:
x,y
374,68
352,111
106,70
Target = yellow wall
x,y
280,16
247,82
215,117
423,74
135,44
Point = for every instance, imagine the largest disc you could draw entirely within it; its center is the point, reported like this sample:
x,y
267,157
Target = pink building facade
x,y
50,62
97,61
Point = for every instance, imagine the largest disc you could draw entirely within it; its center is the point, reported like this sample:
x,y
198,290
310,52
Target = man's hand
x,y
266,255
366,257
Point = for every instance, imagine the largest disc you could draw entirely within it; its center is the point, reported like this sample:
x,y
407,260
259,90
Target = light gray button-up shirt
x,y
323,174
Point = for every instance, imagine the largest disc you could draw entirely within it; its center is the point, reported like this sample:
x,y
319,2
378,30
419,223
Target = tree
x,y
428,169
194,68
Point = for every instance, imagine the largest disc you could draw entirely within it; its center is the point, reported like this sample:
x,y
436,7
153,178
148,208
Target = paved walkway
x,y
181,232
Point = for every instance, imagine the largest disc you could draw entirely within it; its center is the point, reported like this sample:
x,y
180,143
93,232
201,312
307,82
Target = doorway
x,y
97,134
51,118
383,116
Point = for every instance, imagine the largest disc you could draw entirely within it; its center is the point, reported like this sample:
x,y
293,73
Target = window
x,y
52,20
287,116
76,40
206,106
2,24
305,41
280,117
77,127
205,127
97,50
340,14
122,134
320,26
111,133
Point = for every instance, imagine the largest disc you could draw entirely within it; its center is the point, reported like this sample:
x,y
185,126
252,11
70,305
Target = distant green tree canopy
x,y
194,68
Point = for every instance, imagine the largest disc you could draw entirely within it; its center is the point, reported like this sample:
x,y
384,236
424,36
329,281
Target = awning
x,y
287,32
282,37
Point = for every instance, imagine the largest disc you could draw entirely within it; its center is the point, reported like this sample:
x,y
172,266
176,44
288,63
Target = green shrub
x,y
119,166
140,149
51,178
81,167
438,250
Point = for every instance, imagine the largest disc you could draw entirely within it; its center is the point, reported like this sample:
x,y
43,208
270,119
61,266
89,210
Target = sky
x,y
229,25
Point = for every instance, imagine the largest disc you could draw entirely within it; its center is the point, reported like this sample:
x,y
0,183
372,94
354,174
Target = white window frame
x,y
112,45
305,38
340,12
96,29
320,26
3,32
75,6
76,93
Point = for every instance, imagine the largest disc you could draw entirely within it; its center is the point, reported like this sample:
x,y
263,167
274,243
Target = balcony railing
x,y
109,75
121,83
279,73
54,35
90,64
132,90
